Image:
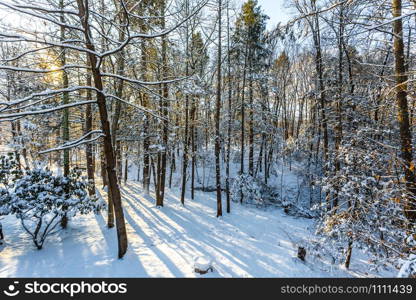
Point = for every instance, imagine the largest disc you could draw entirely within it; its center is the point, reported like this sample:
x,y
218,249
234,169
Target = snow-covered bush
x,y
246,188
252,191
365,202
39,199
9,170
4,200
408,269
411,243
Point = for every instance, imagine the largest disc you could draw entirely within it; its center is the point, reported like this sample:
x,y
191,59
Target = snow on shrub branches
x,y
39,199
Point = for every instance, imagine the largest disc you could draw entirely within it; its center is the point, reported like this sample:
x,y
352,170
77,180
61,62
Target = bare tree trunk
x,y
185,152
119,86
105,125
193,162
403,113
126,165
349,254
88,149
185,141
243,119
217,117
110,206
146,140
227,171
119,157
338,126
315,27
243,113
165,107
251,121
65,100
172,167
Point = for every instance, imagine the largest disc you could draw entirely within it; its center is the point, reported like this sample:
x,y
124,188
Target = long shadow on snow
x,y
206,238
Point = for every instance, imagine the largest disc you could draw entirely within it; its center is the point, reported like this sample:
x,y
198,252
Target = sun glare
x,y
49,62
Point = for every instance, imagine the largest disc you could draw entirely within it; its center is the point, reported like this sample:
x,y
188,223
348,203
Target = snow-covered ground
x,y
164,242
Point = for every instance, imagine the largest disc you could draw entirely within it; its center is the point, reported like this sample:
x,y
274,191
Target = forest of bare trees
x,y
204,95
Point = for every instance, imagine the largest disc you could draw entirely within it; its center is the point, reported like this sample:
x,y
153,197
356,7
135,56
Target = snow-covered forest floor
x,y
307,124
164,242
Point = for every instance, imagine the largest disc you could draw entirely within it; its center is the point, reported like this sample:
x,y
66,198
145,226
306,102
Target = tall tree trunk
x,y
243,112
185,141
251,120
165,107
338,126
126,165
243,119
192,133
119,87
146,139
105,126
65,100
217,117
172,167
349,253
227,170
88,149
185,152
403,113
110,206
321,88
119,160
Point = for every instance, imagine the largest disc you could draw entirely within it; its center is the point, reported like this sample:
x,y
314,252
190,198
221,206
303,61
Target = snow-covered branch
x,y
29,70
45,111
139,82
44,94
77,143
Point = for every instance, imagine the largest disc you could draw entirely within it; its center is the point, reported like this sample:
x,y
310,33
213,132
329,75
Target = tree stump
x,y
301,253
203,265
